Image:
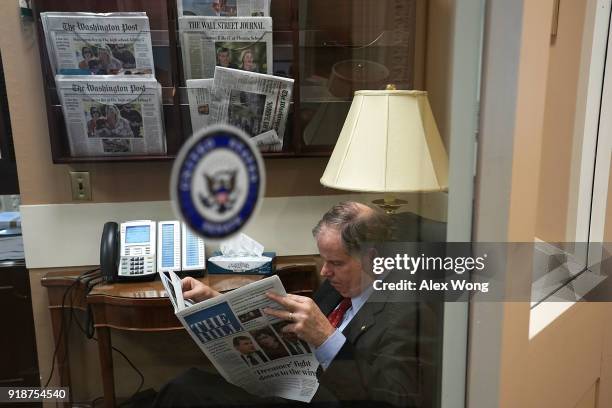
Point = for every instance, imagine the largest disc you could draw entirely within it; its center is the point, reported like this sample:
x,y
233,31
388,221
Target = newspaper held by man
x,y
256,103
239,42
246,346
98,44
110,115
224,8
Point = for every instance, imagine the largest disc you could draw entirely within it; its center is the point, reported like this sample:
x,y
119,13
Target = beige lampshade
x,y
389,143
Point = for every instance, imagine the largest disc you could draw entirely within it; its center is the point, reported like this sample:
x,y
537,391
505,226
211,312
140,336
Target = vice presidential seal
x,y
217,182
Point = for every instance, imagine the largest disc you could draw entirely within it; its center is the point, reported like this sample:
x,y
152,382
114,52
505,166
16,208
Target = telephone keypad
x,y
137,265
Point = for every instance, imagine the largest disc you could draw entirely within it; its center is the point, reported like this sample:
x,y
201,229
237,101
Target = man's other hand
x,y
197,291
307,320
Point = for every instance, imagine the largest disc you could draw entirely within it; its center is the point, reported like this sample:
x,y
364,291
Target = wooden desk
x,y
141,307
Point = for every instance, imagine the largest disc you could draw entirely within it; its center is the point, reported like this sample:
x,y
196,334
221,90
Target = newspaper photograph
x,y
243,43
109,115
256,103
246,346
199,95
98,44
224,8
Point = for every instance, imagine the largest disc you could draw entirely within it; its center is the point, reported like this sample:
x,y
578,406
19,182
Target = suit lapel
x,y
362,321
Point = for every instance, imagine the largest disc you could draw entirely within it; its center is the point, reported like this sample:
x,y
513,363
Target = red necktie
x,y
335,317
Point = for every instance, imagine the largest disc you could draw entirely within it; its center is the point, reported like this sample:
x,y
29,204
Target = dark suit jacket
x,y
379,364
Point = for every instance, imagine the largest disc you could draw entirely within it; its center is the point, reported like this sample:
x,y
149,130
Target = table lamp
x,y
389,144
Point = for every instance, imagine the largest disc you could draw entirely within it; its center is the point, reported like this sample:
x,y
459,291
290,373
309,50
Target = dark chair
x,y
299,279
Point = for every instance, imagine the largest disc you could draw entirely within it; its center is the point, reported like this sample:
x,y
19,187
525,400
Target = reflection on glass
x,y
559,197
373,44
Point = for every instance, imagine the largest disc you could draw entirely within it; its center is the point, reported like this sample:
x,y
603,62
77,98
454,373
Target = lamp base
x,y
390,206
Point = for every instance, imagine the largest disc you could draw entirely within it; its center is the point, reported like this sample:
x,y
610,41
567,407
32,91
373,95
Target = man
x,y
249,354
270,344
224,58
291,340
368,351
216,8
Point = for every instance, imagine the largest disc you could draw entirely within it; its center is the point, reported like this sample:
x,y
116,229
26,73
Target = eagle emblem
x,y
222,192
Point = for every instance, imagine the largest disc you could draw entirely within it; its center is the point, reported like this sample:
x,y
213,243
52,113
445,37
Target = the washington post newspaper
x,y
224,8
256,103
98,44
238,42
110,115
246,346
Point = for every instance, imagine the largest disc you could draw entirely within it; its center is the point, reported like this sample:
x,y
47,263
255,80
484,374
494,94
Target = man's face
x,y
245,346
344,272
267,340
223,58
216,5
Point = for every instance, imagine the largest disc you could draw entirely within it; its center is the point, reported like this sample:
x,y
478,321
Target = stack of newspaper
x,y
256,103
98,44
246,346
109,115
223,8
226,33
105,81
233,42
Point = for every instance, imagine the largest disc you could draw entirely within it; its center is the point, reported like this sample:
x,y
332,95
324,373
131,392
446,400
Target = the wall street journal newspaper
x,y
246,346
224,8
240,42
200,97
98,44
110,115
256,103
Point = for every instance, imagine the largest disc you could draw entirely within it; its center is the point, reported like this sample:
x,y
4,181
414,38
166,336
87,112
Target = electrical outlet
x,y
81,186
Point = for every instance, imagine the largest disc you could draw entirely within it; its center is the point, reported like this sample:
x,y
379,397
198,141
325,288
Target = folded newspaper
x,y
223,8
110,115
256,103
98,44
237,42
200,94
246,346
200,97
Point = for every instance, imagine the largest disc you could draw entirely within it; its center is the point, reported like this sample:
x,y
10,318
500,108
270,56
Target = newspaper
x,y
200,93
110,115
238,42
200,97
246,346
98,44
224,8
256,103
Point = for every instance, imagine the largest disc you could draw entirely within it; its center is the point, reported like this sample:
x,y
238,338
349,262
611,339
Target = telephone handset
x,y
109,251
130,251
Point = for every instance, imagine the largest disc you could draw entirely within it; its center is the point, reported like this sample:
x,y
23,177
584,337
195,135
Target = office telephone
x,y
137,250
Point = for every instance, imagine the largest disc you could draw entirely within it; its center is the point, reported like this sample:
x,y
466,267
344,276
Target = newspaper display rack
x,y
246,346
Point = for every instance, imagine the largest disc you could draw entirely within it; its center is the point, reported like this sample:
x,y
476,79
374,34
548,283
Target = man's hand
x,y
197,291
308,322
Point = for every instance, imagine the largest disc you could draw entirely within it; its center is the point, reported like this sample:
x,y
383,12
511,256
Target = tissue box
x,y
240,266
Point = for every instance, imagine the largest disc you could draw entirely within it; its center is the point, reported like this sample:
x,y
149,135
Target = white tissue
x,y
241,246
